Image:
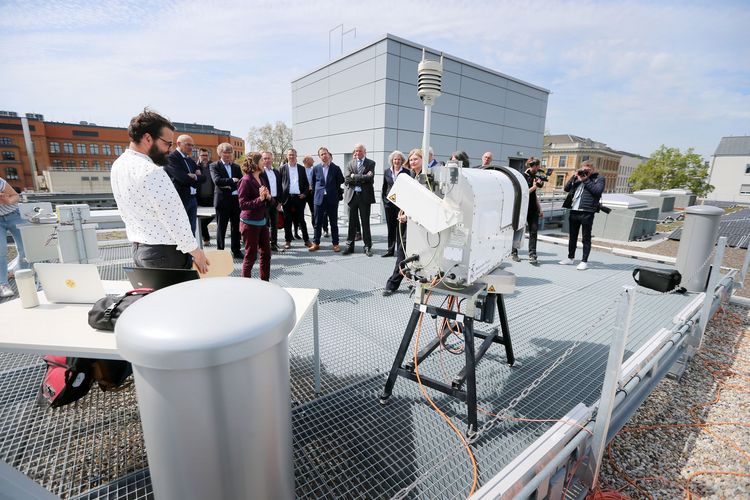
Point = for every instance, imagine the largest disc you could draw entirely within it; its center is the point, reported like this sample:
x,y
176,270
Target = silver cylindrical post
x,y
426,138
696,244
211,366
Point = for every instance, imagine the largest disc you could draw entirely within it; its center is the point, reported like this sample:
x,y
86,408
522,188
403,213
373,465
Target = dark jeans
x,y
272,220
359,209
578,219
327,212
204,222
310,203
395,279
191,207
294,212
160,256
391,221
532,223
256,237
228,213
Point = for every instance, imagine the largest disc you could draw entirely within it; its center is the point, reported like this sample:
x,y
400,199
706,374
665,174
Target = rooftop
x,y
733,146
345,443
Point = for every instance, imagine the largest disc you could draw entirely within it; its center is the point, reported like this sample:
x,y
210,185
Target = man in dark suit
x,y
226,176
360,195
205,194
186,176
277,199
294,192
327,180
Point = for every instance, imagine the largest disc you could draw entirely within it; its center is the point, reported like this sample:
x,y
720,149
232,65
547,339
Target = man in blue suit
x,y
326,184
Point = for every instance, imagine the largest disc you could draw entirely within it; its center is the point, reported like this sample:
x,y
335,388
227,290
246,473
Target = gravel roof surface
x,y
710,460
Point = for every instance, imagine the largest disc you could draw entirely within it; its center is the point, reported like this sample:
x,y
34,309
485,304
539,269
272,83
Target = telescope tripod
x,y
481,307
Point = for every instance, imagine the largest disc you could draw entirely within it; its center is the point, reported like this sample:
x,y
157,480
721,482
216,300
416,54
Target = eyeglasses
x,y
168,143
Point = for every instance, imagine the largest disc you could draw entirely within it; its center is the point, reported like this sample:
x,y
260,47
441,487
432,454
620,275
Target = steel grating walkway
x,y
345,443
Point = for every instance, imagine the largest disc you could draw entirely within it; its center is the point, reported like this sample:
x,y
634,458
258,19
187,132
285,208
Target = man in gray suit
x,y
359,178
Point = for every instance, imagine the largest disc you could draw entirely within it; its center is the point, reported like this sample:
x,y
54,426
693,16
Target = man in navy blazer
x,y
186,176
327,180
226,176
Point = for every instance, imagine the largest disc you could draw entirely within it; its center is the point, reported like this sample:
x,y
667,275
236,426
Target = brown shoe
x,y
336,248
287,245
313,247
308,244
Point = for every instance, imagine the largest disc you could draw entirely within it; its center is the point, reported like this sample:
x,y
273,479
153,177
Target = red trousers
x,y
256,237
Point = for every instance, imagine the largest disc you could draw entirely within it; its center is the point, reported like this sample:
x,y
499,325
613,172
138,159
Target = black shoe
x,y
368,251
388,254
274,248
297,236
349,251
387,293
326,233
358,237
533,260
238,255
515,257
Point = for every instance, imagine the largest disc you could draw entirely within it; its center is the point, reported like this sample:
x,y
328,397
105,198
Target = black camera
x,y
583,172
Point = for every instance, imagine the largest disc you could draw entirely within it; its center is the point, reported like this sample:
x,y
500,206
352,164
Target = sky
x,y
632,74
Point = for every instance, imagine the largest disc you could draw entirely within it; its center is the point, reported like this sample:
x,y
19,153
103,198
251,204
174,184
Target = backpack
x,y
69,379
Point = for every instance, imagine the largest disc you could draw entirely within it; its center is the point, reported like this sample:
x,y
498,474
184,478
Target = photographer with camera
x,y
584,192
535,180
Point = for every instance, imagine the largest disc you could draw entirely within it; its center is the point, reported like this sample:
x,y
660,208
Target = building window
x,y
94,149
585,158
105,179
745,189
9,155
81,149
747,168
54,147
84,164
5,141
118,150
68,147
84,178
96,165
562,161
70,165
106,150
108,165
95,178
559,181
56,163
544,162
11,173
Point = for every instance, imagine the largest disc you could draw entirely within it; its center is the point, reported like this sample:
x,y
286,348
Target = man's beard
x,y
157,156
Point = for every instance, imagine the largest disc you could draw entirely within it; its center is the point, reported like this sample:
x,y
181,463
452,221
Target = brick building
x,y
76,157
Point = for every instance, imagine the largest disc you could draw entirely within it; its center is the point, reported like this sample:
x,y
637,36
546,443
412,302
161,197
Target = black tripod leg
x,y
504,327
405,341
471,376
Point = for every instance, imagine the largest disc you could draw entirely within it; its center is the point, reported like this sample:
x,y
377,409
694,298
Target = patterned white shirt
x,y
149,204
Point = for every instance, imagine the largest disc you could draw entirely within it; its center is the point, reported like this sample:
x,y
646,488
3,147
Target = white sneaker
x,y
6,291
567,262
582,266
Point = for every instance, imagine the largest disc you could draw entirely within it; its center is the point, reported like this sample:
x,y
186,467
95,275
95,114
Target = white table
x,y
63,329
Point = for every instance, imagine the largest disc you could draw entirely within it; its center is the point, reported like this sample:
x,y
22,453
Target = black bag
x,y
568,203
103,315
65,381
602,208
661,280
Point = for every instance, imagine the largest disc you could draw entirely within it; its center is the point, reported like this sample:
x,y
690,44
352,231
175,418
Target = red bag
x,y
67,380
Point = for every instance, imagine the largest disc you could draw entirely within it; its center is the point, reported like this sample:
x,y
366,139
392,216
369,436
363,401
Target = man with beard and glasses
x,y
155,219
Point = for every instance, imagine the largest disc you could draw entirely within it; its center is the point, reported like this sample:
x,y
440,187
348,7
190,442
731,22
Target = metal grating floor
x,y
345,443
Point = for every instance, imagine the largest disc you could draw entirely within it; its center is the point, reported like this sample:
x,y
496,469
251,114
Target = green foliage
x,y
276,138
668,168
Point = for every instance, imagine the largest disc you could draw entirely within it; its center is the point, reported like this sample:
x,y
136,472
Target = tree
x,y
668,168
275,138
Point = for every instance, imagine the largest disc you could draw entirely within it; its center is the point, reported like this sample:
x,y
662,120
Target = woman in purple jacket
x,y
255,197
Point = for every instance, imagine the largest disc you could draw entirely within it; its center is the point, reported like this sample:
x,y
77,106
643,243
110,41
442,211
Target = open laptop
x,y
70,283
157,278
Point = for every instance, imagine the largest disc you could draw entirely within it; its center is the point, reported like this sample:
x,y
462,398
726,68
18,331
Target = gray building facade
x,y
370,97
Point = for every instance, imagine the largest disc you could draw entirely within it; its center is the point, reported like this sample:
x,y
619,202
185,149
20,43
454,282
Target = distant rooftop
x,y
734,146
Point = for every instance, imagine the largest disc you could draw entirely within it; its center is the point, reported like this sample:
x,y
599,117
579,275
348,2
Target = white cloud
x,y
632,74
